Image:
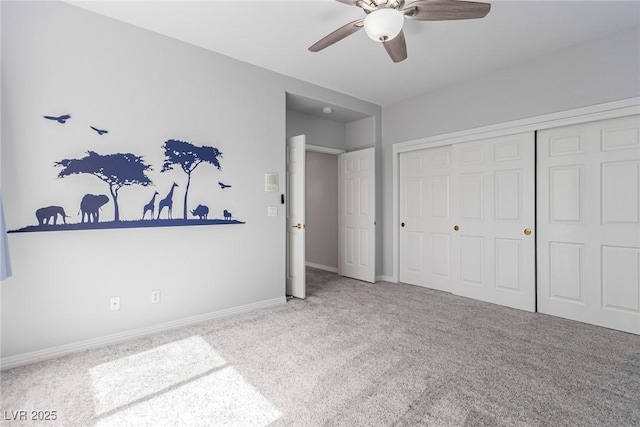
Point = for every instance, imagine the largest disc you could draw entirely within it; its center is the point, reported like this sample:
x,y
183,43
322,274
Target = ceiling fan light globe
x,y
383,24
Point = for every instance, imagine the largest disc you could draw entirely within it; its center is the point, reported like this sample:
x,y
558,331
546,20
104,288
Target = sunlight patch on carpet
x,y
184,382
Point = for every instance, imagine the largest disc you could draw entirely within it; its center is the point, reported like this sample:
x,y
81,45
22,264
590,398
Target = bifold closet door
x,y
494,205
589,223
467,219
425,212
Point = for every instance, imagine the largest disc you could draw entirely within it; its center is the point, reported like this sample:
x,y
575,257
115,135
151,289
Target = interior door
x,y
589,223
356,236
467,219
296,280
494,210
426,224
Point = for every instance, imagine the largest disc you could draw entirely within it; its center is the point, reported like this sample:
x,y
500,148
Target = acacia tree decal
x,y
188,156
117,170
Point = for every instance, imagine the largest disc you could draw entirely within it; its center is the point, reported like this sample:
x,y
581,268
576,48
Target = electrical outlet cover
x,y
155,296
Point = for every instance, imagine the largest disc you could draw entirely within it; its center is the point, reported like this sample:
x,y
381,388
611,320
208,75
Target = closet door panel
x,y
588,183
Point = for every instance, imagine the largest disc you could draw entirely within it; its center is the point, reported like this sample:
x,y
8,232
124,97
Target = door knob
x,y
298,226
402,224
455,227
527,231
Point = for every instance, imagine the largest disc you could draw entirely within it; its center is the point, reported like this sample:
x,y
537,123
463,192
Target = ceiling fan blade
x,y
337,35
350,2
397,47
445,10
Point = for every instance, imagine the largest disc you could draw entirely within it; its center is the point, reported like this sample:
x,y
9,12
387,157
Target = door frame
x,y
608,110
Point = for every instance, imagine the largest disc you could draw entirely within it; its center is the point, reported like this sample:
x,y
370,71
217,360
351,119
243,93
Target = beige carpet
x,y
352,353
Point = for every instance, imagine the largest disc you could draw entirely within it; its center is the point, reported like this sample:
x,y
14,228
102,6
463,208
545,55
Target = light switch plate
x,y
272,211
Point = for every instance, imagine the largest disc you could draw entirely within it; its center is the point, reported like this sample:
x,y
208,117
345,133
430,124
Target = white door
x,y
494,206
589,223
426,224
296,282
464,210
356,236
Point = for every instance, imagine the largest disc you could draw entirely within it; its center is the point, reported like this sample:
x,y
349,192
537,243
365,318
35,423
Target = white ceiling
x,y
276,34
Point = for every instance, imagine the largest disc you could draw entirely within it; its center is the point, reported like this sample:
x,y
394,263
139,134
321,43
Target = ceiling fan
x,y
384,19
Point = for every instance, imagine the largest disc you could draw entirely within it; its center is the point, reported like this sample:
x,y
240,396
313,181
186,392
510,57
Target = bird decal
x,y
60,119
223,185
100,131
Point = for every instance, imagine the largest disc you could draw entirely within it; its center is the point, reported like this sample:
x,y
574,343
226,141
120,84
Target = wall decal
x,y
149,207
60,119
128,170
100,131
201,211
49,214
168,203
90,206
188,157
116,170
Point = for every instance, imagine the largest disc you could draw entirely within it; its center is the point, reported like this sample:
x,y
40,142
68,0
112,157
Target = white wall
x,y
600,71
144,88
322,209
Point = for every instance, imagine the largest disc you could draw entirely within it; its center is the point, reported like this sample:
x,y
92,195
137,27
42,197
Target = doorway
x,y
321,207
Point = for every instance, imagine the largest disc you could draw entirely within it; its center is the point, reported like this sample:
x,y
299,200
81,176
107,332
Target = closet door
x,y
426,224
589,223
467,219
494,206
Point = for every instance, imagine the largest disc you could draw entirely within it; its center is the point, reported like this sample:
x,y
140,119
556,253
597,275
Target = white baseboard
x,y
61,350
385,279
322,267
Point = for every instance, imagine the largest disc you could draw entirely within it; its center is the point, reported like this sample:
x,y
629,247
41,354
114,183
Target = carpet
x,y
351,354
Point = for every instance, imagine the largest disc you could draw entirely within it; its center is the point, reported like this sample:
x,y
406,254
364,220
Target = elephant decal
x,y
90,205
201,211
49,215
227,215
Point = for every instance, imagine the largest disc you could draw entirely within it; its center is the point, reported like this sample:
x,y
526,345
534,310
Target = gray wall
x,y
600,71
144,88
322,209
319,131
360,134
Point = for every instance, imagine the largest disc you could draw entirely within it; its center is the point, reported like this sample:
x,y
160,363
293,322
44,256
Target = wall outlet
x,y
114,304
155,296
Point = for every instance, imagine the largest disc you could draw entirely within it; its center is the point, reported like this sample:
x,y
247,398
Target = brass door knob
x,y
455,227
527,231
402,224
298,226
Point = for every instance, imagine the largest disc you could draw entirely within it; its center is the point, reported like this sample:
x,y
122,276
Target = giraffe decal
x,y
125,173
149,207
168,203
